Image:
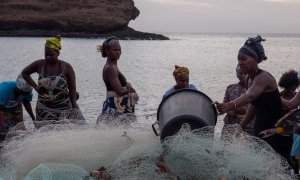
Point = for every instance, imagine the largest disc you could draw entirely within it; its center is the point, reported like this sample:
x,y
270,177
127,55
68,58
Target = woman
x,y
181,75
291,104
56,83
121,97
289,82
234,91
12,95
262,94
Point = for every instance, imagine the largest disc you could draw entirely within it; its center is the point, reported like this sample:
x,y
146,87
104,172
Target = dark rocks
x,y
80,18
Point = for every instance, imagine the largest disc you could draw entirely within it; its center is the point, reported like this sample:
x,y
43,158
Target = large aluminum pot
x,y
184,106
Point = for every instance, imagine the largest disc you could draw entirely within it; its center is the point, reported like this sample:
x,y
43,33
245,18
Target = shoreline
x,y
123,34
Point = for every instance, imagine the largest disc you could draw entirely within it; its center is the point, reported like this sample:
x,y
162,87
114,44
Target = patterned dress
x,y
234,91
53,98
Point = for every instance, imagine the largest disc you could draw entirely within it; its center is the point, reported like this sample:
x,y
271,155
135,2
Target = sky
x,y
218,16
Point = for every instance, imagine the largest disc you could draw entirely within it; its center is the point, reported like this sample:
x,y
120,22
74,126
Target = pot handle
x,y
154,129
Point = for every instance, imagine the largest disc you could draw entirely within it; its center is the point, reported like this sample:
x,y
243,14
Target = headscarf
x,y
179,71
108,43
23,85
253,48
54,43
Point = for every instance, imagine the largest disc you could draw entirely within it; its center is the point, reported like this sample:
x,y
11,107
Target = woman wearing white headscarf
x,y
12,95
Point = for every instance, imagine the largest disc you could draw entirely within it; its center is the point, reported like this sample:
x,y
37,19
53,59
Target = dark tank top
x,y
268,109
122,80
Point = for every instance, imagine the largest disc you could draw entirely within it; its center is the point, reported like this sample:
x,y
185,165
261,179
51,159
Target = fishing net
x,y
73,116
54,171
62,143
133,153
193,155
113,118
197,155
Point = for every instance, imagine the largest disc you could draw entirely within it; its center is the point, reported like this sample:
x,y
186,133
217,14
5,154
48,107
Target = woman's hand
x,y
224,107
130,88
41,90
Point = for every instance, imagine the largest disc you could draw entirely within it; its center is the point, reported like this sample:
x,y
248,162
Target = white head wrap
x,y
22,84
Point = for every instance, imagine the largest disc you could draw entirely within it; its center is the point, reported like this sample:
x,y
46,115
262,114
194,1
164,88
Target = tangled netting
x,y
133,153
198,155
114,118
62,142
57,171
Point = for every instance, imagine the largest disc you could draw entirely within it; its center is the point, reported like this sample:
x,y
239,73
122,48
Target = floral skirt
x,y
118,104
13,116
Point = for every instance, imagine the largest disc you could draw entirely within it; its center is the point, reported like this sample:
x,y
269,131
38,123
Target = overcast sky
x,y
218,16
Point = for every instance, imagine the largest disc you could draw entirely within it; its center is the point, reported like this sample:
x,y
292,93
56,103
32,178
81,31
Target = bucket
x,y
184,106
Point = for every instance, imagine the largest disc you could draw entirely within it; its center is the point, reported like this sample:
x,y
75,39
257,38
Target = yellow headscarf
x,y
179,71
54,43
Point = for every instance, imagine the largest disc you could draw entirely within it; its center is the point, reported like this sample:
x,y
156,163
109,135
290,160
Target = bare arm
x,y
259,85
250,113
30,69
130,88
28,108
293,103
111,74
71,79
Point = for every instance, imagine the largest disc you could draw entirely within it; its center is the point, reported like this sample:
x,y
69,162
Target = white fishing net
x,y
113,118
197,155
63,142
235,156
54,171
132,153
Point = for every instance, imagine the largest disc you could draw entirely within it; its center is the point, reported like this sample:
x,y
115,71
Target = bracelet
x,y
234,104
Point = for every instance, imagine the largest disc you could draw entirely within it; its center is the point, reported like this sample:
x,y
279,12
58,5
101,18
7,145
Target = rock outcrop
x,y
73,18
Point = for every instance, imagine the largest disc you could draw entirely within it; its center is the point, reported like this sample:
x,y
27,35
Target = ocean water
x,y
148,66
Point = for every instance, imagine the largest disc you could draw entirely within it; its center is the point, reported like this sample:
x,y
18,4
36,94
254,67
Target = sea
x,y
148,65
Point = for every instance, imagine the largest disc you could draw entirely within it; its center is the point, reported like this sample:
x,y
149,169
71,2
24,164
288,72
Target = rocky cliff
x,y
73,18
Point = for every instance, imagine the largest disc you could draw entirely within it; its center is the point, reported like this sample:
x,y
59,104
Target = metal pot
x,y
184,106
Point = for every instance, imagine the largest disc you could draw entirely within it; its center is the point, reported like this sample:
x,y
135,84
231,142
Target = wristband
x,y
234,104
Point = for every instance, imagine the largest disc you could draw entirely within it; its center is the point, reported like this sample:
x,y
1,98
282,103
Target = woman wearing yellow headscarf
x,y
181,75
56,85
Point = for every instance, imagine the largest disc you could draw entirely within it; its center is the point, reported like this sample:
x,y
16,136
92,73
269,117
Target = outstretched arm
x,y
293,103
257,88
28,108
